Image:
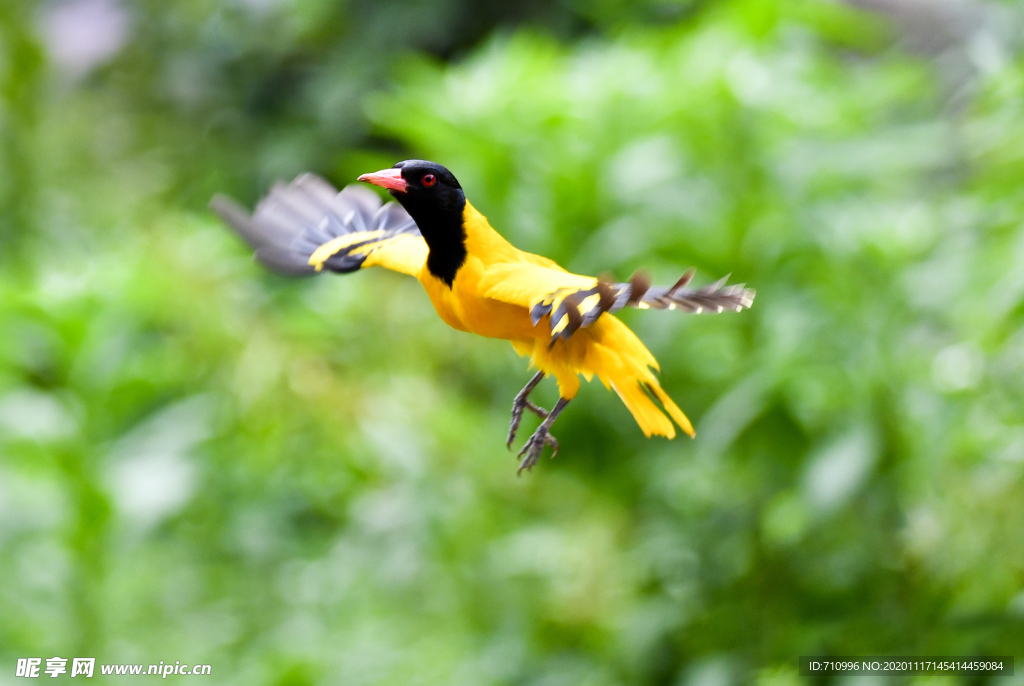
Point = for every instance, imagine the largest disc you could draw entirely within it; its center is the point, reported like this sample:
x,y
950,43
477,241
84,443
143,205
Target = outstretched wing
x,y
307,225
573,301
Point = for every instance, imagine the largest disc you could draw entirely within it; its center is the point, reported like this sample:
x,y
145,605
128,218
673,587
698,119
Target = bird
x,y
480,283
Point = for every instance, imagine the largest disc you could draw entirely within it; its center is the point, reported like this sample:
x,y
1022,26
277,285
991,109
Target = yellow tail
x,y
609,350
651,420
626,368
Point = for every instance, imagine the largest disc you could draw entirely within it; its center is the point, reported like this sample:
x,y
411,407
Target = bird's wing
x,y
305,226
573,301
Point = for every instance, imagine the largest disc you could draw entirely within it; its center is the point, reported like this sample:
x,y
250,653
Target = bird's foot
x,y
521,403
535,445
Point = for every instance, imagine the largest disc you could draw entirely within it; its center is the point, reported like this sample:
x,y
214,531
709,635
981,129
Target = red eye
x,y
429,180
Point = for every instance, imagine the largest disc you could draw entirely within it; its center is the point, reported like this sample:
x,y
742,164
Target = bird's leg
x,y
541,437
522,402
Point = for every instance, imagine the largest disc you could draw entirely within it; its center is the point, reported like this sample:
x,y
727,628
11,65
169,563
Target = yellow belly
x,y
462,308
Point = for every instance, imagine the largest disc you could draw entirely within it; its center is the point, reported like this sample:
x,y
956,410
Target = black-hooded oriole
x,y
478,282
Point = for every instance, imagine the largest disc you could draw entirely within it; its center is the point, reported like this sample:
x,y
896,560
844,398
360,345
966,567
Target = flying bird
x,y
480,283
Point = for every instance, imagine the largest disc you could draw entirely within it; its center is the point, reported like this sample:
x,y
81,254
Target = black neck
x,y
443,230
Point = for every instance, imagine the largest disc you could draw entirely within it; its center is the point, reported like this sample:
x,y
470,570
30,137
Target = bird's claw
x,y
537,410
534,446
518,405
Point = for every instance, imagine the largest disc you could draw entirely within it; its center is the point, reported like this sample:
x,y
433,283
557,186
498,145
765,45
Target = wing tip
x,y
229,210
294,219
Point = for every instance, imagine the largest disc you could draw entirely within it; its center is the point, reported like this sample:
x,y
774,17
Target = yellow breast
x,y
462,307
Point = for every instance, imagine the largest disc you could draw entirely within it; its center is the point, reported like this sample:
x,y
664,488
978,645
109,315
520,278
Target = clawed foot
x,y
518,405
535,445
542,436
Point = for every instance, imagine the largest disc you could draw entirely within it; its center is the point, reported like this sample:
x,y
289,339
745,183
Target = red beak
x,y
387,178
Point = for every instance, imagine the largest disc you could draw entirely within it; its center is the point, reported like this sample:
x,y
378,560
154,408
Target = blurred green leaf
x,y
305,482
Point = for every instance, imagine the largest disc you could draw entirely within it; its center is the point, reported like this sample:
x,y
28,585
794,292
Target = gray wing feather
x,y
715,297
295,219
566,317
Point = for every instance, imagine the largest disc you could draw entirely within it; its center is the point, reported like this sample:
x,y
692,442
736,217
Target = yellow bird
x,y
480,283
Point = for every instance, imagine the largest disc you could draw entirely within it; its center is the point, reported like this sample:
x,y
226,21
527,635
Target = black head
x,y
434,199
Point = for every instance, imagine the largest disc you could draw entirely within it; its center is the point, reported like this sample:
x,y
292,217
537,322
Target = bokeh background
x,y
305,481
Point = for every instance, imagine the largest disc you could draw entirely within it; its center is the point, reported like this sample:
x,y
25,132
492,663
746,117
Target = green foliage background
x,y
305,482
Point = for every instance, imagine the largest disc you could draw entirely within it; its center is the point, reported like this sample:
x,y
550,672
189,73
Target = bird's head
x,y
434,199
423,188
